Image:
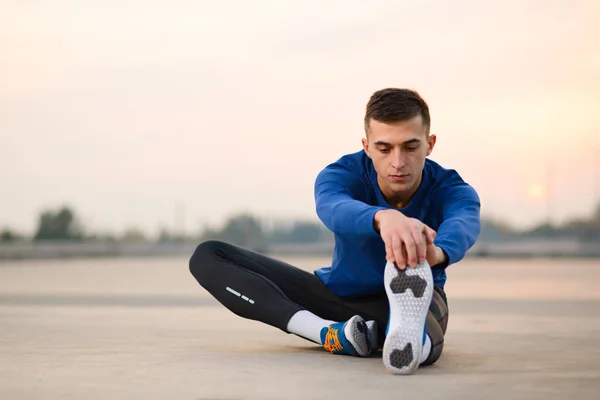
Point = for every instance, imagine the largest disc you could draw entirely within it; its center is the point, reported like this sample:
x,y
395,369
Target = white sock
x,y
307,325
426,350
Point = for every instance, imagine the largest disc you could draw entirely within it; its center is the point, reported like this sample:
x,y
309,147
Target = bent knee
x,y
204,258
434,353
439,310
436,335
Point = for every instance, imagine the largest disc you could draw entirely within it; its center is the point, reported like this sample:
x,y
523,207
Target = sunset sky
x,y
127,110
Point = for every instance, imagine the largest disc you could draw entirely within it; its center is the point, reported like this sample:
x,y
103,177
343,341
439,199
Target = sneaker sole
x,y
409,293
358,336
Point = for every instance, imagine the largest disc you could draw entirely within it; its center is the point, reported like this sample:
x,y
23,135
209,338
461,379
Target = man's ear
x,y
431,143
365,143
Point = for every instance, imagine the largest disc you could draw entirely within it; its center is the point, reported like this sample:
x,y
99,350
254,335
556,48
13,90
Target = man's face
x,y
398,151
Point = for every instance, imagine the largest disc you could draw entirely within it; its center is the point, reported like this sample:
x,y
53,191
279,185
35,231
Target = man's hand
x,y
435,255
406,239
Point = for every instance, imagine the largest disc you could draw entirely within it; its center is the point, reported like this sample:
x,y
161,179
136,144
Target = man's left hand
x,y
435,255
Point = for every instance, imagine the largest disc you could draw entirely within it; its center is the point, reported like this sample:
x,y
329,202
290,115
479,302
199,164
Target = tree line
x,y
244,229
580,229
247,230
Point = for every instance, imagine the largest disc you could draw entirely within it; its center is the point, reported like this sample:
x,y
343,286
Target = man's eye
x,y
411,148
384,151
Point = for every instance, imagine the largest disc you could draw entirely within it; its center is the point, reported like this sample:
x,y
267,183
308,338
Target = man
x,y
399,220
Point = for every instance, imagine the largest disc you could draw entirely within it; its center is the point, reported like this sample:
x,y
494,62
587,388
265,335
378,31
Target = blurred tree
x,y
300,232
58,225
167,236
7,235
163,235
242,230
133,235
596,215
306,232
543,231
494,230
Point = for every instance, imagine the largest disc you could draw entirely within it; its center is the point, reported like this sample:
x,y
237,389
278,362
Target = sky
x,y
179,114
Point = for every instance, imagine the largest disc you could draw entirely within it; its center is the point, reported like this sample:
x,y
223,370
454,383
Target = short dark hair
x,y
395,105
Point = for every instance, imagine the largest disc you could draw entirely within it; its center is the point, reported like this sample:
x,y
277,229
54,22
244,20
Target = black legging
x,y
264,289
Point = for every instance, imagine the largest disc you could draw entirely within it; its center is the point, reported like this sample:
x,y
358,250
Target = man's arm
x,y
336,191
461,224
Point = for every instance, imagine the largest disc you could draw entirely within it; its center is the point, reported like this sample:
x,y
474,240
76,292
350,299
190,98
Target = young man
x,y
399,220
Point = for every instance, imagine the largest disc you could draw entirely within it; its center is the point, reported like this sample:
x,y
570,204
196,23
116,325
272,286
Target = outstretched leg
x,y
233,276
261,288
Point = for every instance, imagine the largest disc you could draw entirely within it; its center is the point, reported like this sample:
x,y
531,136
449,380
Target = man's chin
x,y
401,186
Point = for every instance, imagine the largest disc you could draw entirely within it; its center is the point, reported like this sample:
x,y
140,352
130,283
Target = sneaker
x,y
409,292
349,338
373,336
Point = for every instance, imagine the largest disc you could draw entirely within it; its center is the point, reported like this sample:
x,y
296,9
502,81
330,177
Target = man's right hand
x,y
405,239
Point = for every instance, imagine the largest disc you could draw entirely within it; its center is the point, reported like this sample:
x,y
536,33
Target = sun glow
x,y
537,191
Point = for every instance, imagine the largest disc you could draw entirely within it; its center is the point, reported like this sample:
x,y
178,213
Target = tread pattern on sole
x,y
402,358
409,292
413,282
359,336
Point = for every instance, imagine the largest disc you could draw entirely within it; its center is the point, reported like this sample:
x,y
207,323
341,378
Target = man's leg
x,y
271,291
261,288
439,307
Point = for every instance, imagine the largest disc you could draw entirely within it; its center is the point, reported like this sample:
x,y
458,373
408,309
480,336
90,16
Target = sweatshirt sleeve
x,y
337,189
461,224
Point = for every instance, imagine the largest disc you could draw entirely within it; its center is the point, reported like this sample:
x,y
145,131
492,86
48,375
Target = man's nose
x,y
398,159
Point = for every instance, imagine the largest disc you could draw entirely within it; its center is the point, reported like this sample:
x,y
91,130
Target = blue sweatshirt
x,y
347,197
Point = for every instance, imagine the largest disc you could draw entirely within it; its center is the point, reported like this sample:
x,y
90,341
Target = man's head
x,y
398,139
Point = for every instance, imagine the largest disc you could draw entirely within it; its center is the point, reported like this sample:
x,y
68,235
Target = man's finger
x,y
404,256
389,253
420,245
397,251
411,249
430,234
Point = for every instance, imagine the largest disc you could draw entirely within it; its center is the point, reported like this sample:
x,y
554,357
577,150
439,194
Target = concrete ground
x,y
140,329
